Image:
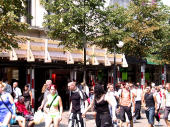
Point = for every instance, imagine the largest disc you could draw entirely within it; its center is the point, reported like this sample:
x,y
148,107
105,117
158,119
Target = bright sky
x,y
167,2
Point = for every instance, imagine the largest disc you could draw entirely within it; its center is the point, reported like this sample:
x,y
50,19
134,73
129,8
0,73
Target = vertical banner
x,y
143,74
124,76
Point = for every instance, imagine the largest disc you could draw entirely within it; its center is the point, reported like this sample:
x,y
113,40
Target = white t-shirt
x,y
17,92
167,94
138,94
111,95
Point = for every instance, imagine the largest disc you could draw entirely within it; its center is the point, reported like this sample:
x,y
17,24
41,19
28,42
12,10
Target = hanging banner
x,y
124,76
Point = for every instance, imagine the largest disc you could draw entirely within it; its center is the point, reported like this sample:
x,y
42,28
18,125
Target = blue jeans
x,y
150,113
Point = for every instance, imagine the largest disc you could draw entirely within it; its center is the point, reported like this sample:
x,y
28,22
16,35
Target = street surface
x,y
90,122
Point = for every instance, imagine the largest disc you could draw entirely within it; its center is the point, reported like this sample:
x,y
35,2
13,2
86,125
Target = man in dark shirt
x,y
150,104
77,106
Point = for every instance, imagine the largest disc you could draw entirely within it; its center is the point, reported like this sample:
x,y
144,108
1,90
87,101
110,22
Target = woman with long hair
x,y
53,108
27,94
100,103
7,107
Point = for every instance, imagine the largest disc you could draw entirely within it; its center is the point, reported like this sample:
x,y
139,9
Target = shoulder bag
x,y
49,106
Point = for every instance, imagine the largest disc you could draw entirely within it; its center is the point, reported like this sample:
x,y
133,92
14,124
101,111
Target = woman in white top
x,y
112,108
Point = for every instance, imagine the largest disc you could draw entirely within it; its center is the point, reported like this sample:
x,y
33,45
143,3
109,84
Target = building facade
x,y
40,58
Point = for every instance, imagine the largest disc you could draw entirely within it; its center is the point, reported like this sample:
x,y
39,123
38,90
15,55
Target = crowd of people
x,y
112,107
15,107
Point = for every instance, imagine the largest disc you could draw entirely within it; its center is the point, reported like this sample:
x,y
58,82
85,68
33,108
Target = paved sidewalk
x,y
90,122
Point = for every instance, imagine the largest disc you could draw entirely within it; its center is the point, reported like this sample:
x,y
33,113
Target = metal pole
x,y
84,46
84,69
114,68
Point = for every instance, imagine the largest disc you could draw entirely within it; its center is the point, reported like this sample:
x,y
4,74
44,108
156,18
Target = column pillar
x,y
71,75
50,74
112,78
33,87
143,66
28,77
33,12
163,74
118,74
75,75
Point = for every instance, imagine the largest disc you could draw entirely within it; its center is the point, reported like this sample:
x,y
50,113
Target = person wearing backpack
x,y
77,106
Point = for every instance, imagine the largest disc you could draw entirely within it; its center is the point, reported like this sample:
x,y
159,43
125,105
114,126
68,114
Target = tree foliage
x,y
75,22
10,13
148,28
143,25
113,29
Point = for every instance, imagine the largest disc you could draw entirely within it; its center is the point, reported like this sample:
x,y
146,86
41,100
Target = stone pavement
x,y
90,122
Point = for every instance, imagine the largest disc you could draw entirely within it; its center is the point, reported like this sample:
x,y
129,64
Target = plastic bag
x,y
12,121
39,117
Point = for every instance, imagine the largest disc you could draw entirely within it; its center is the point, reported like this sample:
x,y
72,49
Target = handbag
x,y
12,121
39,117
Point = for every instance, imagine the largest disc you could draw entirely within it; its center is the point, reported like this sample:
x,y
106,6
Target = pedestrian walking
x,y
16,91
77,106
126,100
53,108
46,92
138,102
7,107
111,93
159,101
167,104
101,103
27,97
8,87
150,105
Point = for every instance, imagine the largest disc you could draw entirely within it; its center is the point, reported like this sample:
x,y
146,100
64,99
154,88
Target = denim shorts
x,y
150,113
166,112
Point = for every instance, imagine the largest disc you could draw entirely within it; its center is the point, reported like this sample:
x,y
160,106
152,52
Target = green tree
x,y
74,22
113,29
148,28
143,26
10,13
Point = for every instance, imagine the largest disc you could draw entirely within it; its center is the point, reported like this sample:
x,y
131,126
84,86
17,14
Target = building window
x,y
28,8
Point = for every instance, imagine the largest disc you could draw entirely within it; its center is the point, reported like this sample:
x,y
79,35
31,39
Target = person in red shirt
x,y
21,108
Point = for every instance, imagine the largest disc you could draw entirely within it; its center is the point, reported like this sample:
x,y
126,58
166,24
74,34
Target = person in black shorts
x,y
77,106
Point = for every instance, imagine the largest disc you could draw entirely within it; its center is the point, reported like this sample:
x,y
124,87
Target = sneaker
x,y
134,119
159,123
115,124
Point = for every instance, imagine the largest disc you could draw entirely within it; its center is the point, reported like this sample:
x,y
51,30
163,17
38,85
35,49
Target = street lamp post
x,y
119,45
